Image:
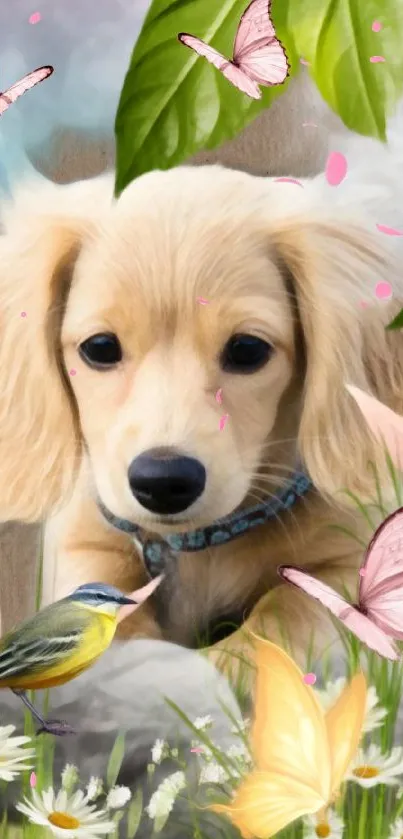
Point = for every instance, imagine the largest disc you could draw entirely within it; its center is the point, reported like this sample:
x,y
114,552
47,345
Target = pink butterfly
x,y
8,97
259,57
377,619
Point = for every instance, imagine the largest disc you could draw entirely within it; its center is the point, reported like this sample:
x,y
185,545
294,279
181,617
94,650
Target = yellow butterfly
x,y
301,754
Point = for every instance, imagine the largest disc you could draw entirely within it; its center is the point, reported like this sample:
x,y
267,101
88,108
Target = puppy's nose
x,y
166,482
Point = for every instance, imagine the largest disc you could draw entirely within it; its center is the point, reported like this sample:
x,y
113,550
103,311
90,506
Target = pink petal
x,y
310,678
336,168
218,396
202,300
376,26
383,291
198,750
32,780
223,421
384,423
306,63
363,304
35,17
377,59
23,314
141,594
72,372
289,181
390,231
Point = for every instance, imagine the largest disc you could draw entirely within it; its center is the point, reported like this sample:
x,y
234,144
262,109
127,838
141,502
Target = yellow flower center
x,y
322,830
63,820
366,772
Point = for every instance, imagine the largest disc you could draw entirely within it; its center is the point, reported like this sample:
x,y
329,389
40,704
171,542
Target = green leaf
x,y
397,322
115,760
173,102
134,814
336,38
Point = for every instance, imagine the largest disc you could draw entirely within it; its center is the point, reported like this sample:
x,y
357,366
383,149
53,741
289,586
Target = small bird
x,y
63,640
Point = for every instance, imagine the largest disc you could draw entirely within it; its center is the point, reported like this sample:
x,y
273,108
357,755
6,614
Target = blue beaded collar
x,y
157,551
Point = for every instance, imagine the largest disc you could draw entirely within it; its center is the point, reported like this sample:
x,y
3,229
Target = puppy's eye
x,y
245,354
101,351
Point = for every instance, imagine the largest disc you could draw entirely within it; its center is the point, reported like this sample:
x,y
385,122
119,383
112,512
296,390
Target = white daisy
x,y
158,751
324,826
118,797
396,830
213,773
94,788
371,767
13,758
374,713
66,816
203,722
163,799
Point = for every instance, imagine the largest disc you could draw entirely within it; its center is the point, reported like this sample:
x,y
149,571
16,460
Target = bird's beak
x,y
130,604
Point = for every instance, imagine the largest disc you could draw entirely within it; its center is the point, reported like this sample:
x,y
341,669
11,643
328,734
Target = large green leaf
x,y
336,38
174,103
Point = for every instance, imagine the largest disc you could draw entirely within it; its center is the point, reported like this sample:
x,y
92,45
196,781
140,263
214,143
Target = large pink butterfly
x,y
259,57
377,618
8,97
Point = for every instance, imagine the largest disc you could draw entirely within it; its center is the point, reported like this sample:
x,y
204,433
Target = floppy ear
x,y
333,269
43,232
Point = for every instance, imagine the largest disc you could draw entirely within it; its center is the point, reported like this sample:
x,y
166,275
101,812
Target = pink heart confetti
x,y
306,63
35,18
23,314
383,291
72,372
336,168
310,678
390,231
202,301
32,780
377,59
223,421
376,26
218,396
289,181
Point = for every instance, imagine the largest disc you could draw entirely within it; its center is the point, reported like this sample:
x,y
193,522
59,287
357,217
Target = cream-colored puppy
x,y
110,367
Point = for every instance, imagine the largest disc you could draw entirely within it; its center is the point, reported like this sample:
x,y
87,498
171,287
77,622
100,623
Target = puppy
x,y
131,327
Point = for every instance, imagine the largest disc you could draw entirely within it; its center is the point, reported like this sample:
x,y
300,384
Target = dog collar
x,y
157,551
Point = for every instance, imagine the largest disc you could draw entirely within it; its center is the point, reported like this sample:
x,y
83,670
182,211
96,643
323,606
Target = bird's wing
x,y
43,641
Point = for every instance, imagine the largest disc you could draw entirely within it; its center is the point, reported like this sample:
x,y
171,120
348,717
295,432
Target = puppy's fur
x,y
294,265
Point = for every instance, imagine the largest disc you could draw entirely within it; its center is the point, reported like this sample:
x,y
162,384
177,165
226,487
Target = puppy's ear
x,y
39,436
333,270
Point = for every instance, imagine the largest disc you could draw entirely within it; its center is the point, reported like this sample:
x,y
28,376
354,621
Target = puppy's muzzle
x,y
166,482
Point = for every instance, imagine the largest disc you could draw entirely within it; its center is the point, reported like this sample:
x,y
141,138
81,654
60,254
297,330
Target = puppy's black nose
x,y
166,482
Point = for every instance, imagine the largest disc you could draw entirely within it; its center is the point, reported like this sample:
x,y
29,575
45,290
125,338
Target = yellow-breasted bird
x,y
63,640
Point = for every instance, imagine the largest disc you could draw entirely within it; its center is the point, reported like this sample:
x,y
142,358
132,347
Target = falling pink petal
x,y
289,181
363,304
202,300
197,750
32,780
390,231
140,595
383,291
309,125
385,424
362,572
23,314
306,63
223,421
72,372
377,59
218,396
376,26
336,168
310,678
35,17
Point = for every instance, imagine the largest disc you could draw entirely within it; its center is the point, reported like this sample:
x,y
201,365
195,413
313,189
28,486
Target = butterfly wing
x,y
266,802
384,423
233,74
289,727
381,584
364,628
9,96
344,724
257,51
